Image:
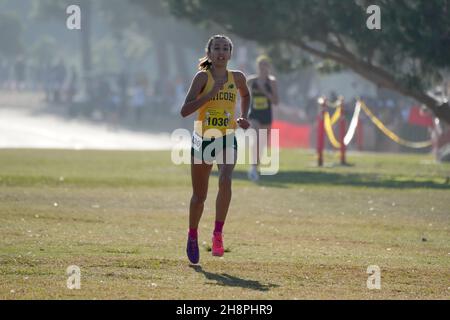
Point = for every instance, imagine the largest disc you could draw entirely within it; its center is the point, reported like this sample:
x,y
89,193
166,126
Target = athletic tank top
x,y
261,106
259,101
216,116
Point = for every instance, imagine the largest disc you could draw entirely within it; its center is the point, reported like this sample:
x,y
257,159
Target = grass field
x,y
307,233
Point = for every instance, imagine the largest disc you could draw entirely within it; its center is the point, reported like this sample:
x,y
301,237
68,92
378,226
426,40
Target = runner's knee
x,y
198,199
224,182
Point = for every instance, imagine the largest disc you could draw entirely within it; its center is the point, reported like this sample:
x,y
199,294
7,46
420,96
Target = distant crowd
x,y
115,98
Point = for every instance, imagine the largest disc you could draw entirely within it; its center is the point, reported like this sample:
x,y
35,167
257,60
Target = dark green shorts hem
x,y
211,147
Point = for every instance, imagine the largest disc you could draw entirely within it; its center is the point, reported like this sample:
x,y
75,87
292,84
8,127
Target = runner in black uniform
x,y
261,107
264,97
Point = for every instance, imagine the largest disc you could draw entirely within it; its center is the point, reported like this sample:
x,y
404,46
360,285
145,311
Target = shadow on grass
x,y
231,281
285,178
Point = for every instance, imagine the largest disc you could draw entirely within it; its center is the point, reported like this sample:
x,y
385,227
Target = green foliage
x,y
50,9
154,8
164,26
412,46
329,66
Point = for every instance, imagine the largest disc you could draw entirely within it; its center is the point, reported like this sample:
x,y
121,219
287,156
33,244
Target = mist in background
x,y
120,81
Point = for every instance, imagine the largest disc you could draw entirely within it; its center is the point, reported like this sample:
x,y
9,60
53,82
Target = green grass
x,y
307,232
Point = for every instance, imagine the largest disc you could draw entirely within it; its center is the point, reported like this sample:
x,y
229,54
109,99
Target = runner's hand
x,y
218,85
243,123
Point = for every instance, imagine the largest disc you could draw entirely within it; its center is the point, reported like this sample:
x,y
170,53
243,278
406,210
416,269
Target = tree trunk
x,y
162,61
86,52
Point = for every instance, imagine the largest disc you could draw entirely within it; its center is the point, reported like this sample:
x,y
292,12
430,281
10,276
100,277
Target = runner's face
x,y
264,68
220,52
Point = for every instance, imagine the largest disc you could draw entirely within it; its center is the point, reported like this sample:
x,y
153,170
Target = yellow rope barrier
x,y
392,135
331,121
329,131
336,116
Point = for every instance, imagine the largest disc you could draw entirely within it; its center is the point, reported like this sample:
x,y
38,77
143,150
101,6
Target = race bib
x,y
217,118
197,141
260,103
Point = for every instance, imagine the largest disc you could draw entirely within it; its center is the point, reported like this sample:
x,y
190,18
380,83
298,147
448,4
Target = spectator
x,y
60,74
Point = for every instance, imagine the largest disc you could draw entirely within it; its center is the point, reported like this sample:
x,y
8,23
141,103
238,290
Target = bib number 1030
x,y
217,122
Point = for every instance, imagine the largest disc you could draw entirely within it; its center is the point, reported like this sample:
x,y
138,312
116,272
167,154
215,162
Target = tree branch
x,y
376,75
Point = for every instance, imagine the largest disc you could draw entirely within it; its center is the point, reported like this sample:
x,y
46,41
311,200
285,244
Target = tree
x,y
56,9
166,30
10,35
407,55
43,51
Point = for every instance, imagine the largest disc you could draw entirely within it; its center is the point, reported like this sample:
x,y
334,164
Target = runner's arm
x,y
192,102
241,83
274,96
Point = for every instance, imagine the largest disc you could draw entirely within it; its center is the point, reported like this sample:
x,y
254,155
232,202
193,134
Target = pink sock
x,y
193,233
219,226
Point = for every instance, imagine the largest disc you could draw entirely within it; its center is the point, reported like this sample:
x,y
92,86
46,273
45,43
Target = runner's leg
x,y
200,178
226,168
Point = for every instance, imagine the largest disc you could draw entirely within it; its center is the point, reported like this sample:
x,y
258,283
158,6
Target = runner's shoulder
x,y
239,76
201,75
238,73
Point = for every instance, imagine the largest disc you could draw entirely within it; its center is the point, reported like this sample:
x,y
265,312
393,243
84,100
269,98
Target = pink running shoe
x,y
217,245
